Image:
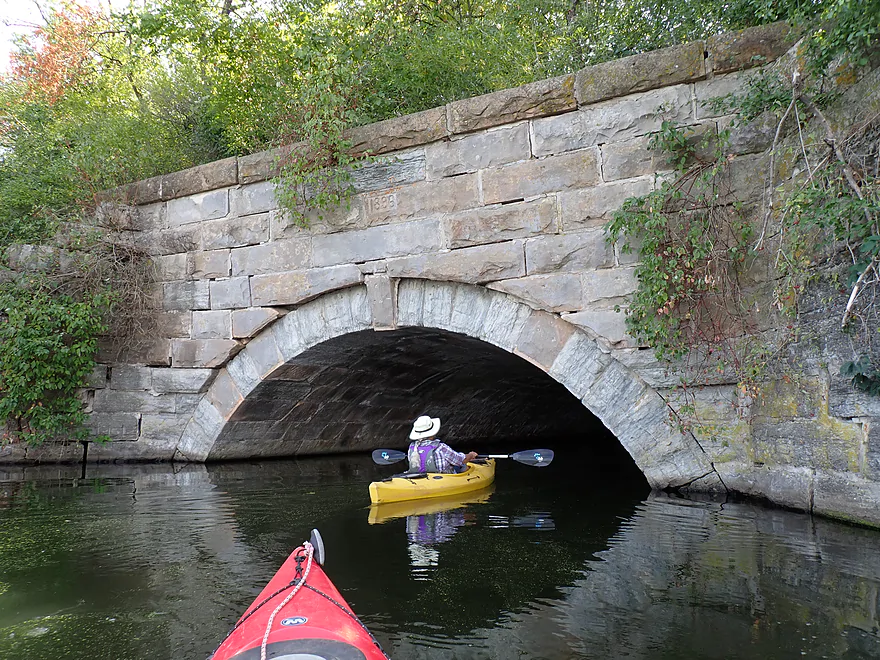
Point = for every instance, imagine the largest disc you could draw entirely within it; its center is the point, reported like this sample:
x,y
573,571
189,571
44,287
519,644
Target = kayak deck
x,y
315,623
401,488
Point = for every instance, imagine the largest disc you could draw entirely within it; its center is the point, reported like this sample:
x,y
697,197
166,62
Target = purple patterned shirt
x,y
446,457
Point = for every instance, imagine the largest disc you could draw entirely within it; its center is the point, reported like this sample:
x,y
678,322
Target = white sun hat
x,y
425,427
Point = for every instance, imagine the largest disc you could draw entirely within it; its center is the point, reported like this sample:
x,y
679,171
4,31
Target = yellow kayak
x,y
382,513
398,489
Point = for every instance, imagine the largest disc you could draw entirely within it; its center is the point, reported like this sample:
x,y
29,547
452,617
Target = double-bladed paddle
x,y
532,457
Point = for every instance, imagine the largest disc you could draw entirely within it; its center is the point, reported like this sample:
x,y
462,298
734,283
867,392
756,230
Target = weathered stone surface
x,y
150,217
478,151
198,208
209,265
140,192
399,133
538,99
296,287
376,242
184,296
253,198
214,324
605,323
167,241
717,87
118,426
593,207
174,324
748,176
162,431
191,381
609,283
559,292
579,251
171,267
237,232
224,394
640,73
244,373
420,199
205,353
98,378
389,171
751,138
117,401
540,176
234,293
475,265
542,339
501,223
130,377
139,351
219,174
611,121
579,363
274,257
754,46
382,293
264,354
846,497
248,322
264,164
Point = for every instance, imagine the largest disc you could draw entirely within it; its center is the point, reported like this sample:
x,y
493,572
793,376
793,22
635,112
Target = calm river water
x,y
137,562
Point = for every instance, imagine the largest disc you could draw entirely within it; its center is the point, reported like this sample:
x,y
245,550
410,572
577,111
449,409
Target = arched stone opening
x,y
265,392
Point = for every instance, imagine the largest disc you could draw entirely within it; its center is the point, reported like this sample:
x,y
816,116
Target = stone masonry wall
x,y
506,195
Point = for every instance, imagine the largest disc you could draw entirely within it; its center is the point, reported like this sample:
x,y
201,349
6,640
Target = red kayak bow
x,y
300,614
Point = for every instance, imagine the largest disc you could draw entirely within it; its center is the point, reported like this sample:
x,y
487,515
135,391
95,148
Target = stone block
x,y
185,296
608,284
474,265
593,207
640,73
718,87
253,198
150,217
98,378
274,257
604,323
418,200
138,351
296,287
244,373
579,364
542,339
541,176
748,176
399,133
168,241
478,151
234,293
199,179
579,251
376,243
147,191
209,265
118,426
282,225
751,138
162,431
501,223
205,353
174,324
198,208
171,267
382,293
389,171
264,354
558,292
235,232
117,401
470,306
846,497
224,394
537,99
190,381
264,164
248,322
612,121
754,46
214,324
130,377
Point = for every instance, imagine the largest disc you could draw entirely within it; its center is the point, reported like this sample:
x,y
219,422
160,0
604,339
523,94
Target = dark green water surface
x,y
137,562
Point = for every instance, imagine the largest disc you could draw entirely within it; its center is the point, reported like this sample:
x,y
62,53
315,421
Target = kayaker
x,y
428,454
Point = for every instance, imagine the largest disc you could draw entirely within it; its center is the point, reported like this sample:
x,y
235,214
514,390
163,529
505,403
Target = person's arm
x,y
470,456
455,457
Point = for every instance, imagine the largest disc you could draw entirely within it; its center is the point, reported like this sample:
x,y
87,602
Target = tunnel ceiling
x,y
363,390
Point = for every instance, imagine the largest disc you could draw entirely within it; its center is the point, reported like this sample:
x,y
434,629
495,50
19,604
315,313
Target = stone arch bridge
x,y
470,276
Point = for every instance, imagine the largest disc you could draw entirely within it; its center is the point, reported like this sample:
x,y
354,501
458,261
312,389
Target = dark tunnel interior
x,y
363,390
